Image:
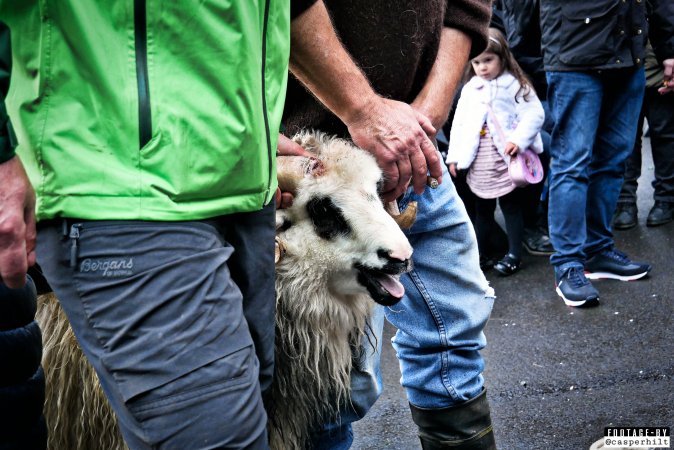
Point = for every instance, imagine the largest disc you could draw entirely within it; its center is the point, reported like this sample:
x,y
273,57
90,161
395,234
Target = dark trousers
x,y
659,110
22,383
177,319
511,206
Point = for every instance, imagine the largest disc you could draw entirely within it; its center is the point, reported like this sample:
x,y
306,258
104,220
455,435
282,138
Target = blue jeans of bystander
x,y
595,116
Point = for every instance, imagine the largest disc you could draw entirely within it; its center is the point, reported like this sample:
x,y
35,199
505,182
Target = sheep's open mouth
x,y
384,288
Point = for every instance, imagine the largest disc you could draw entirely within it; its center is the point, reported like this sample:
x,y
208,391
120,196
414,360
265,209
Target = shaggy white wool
x,y
321,308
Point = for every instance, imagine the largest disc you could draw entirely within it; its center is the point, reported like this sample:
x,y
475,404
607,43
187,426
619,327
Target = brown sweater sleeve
x,y
297,7
472,17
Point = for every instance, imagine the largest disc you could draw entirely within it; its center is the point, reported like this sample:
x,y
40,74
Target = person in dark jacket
x,y
659,109
412,55
593,55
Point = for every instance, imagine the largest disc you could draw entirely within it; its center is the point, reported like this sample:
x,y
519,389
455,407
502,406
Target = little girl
x,y
497,91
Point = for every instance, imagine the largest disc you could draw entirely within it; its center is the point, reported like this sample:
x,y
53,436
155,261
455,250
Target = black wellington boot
x,y
462,427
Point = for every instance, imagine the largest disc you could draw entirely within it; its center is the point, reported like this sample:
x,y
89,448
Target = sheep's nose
x,y
394,265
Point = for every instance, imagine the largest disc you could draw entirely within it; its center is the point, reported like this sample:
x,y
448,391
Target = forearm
x,y
435,98
320,62
17,223
392,131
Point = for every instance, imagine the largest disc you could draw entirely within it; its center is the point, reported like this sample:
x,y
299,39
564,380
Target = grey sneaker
x,y
575,289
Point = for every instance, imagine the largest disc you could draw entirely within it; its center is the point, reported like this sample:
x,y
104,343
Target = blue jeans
x,y
440,320
595,117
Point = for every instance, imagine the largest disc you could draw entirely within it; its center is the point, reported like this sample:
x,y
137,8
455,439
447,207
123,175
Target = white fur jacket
x,y
520,120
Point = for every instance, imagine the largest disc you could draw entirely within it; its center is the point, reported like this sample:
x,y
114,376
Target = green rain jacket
x,y
147,109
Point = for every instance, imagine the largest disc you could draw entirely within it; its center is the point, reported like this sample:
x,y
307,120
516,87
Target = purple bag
x,y
525,168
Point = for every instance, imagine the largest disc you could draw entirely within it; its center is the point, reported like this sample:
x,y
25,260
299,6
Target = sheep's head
x,y
337,227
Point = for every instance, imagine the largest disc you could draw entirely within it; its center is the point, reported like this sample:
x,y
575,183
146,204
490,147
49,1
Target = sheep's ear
x,y
291,169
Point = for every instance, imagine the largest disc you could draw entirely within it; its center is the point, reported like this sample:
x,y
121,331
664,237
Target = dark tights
x,y
511,206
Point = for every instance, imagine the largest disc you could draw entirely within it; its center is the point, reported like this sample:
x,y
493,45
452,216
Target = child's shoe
x,y
508,265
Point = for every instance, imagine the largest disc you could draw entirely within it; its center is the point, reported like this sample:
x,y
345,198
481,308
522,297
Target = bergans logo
x,y
108,267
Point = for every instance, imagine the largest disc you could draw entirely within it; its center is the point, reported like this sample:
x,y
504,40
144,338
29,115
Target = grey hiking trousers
x,y
177,318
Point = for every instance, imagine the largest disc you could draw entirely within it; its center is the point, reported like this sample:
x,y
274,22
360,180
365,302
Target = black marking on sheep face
x,y
328,220
380,185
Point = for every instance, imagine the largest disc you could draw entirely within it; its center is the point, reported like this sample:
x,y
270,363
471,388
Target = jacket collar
x,y
504,81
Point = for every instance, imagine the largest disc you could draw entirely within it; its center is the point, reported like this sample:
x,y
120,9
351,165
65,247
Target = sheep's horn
x,y
406,219
291,169
279,250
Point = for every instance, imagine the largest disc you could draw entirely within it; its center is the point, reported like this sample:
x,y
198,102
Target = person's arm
x,y
459,131
17,199
662,38
463,36
392,131
435,99
530,115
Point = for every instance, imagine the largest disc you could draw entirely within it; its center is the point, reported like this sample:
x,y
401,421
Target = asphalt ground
x,y
556,375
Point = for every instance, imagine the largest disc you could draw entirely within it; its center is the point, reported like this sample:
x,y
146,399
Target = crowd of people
x,y
148,137
592,88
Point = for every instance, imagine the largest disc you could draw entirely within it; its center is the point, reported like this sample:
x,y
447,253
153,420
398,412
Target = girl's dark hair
x,y
498,45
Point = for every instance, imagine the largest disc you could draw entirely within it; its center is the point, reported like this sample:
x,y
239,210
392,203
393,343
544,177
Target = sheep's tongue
x,y
392,285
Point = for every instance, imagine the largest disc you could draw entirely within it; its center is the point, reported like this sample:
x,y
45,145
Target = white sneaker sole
x,y
613,276
575,303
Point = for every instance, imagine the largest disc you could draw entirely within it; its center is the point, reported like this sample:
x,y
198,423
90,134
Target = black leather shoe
x,y
625,216
660,214
537,242
508,265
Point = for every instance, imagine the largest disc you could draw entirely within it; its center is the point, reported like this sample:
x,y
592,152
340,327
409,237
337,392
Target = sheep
x,y
337,250
340,249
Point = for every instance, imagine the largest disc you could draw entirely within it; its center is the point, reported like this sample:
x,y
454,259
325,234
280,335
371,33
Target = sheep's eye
x,y
327,218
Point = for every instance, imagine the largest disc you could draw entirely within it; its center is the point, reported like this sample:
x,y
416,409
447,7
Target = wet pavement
x,y
556,375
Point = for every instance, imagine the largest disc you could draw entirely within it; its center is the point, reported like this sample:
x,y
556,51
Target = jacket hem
x,y
150,209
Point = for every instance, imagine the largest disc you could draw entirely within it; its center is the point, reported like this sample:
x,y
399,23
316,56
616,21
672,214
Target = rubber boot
x,y
462,427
